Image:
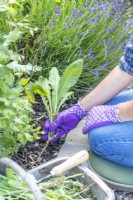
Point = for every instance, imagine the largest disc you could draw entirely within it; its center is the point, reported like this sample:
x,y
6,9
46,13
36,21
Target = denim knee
x,y
113,142
121,97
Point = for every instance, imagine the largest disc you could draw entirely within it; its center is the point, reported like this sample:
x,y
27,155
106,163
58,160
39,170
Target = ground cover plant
x,y
57,33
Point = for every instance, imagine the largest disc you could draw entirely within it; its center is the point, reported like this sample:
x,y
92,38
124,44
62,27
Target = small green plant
x,y
55,89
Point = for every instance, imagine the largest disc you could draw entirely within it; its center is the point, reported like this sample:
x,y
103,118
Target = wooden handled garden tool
x,y
70,163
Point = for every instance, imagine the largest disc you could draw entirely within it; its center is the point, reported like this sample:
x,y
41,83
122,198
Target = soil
x,y
28,156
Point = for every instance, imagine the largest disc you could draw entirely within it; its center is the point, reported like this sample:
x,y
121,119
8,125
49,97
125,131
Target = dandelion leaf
x,y
70,77
66,96
54,80
29,92
42,86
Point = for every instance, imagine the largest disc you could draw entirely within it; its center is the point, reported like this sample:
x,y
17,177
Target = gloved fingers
x,y
58,136
68,121
85,130
87,126
61,126
45,136
54,126
46,125
46,130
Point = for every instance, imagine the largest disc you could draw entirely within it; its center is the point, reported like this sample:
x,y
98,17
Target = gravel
x,y
119,195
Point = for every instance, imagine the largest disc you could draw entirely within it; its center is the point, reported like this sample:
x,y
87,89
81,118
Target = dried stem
x,y
44,148
83,191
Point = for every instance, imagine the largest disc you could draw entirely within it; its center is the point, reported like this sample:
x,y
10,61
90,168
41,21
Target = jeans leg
x,y
114,142
121,97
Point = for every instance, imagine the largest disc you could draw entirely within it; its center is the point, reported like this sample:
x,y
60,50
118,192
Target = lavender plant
x,y
95,31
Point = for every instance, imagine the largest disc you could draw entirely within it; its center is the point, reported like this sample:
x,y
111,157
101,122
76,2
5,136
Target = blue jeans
x,y
114,142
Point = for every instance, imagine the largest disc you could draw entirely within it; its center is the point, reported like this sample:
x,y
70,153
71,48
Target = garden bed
x,y
28,155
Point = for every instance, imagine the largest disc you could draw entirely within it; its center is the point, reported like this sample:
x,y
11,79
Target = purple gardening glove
x,y
101,116
65,122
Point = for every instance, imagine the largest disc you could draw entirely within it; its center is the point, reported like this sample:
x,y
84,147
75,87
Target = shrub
x,y
15,109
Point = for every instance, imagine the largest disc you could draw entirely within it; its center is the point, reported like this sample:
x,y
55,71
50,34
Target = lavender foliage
x,y
94,30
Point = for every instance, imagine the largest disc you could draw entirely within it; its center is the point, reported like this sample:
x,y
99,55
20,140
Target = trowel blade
x,y
48,176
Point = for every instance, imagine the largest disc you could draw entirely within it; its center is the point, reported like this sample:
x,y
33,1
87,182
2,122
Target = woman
x,y
110,126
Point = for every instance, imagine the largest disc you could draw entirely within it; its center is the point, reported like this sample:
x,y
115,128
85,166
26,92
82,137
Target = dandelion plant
x,y
55,89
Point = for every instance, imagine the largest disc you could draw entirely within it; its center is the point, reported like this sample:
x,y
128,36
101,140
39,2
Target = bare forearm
x,y
126,111
115,82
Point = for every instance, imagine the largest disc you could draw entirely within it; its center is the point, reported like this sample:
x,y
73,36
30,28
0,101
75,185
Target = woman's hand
x,y
101,116
64,123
